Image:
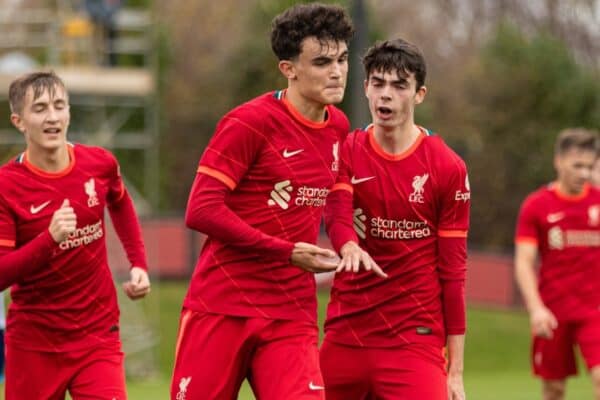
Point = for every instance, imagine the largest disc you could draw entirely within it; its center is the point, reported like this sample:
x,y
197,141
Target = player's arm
x,y
208,213
125,221
542,321
452,268
17,264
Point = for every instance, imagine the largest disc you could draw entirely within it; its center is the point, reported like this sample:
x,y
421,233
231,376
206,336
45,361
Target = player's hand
x,y
63,222
313,258
543,322
139,284
353,257
456,387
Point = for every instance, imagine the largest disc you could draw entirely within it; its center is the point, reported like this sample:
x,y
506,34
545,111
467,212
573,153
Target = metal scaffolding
x,y
114,104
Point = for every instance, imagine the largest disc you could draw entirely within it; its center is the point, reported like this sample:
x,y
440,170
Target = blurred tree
x,y
520,93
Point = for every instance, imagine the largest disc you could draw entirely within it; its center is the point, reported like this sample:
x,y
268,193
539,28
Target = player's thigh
x,y
345,371
554,359
414,371
212,356
286,363
35,375
100,375
587,336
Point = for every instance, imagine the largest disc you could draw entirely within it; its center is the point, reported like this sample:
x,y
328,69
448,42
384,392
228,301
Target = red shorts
x,y
416,371
95,373
555,358
216,352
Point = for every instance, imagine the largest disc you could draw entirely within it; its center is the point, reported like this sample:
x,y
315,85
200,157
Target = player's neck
x,y
308,109
398,139
54,160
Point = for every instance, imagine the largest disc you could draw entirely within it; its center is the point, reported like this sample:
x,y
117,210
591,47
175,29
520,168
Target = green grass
x,y
496,354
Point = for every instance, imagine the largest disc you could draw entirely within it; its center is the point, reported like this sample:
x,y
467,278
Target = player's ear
x,y
366,85
17,121
420,95
288,69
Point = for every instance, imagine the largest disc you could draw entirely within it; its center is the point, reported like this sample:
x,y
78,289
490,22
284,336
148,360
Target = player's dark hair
x,y
38,81
577,138
324,22
396,55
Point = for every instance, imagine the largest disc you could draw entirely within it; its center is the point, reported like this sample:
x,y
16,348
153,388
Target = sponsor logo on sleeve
x,y
466,195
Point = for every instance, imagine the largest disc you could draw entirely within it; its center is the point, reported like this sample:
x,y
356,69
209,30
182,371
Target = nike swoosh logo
x,y
312,386
35,210
356,180
288,154
552,218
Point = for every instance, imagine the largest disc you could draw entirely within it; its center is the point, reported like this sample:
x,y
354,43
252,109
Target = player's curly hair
x,y
396,55
38,81
324,22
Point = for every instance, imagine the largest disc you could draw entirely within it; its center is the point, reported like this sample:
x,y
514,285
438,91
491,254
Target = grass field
x,y
496,358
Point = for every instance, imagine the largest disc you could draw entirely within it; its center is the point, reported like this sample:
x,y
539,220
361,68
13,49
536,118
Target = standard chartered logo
x,y
398,229
359,223
83,236
280,194
305,196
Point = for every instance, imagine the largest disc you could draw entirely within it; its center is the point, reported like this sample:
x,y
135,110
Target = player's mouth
x,y
52,131
384,112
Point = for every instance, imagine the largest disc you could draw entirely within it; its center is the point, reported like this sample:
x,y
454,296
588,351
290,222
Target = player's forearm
x,y
17,264
207,213
127,226
452,271
456,351
527,281
525,275
338,219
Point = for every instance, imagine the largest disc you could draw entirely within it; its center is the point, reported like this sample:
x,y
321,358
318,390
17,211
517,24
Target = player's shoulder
x,y
442,153
13,165
338,118
357,138
538,197
94,158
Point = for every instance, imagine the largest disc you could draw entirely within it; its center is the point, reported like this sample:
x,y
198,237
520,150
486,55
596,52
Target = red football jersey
x,y
566,230
402,208
279,168
69,302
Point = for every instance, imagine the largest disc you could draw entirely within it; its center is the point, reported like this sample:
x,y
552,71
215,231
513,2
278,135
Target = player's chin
x,y
333,97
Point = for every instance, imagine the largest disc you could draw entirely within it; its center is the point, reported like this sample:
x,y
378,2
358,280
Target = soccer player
x,y
259,192
560,223
402,197
63,322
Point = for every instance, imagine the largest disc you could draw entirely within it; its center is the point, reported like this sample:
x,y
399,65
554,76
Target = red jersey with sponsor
x,y
566,230
403,206
279,168
70,303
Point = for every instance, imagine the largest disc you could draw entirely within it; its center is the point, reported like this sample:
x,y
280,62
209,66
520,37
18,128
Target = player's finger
x,y
65,203
378,271
355,262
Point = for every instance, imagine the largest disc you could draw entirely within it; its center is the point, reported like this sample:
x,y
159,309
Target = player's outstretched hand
x,y
353,257
456,387
543,322
139,284
314,258
63,222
